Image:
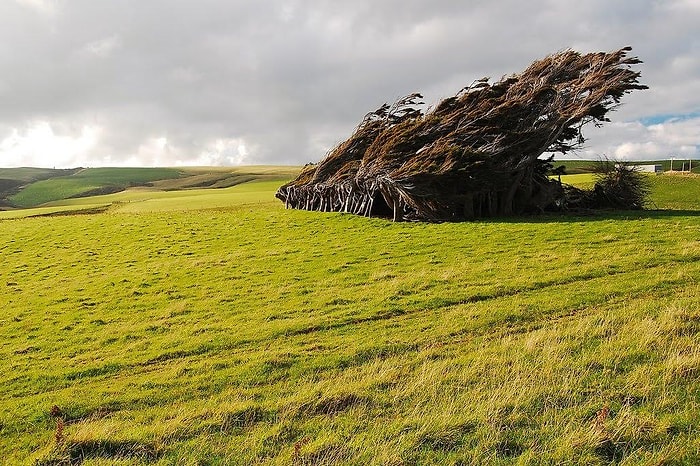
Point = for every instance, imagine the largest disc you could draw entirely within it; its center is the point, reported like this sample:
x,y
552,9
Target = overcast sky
x,y
229,82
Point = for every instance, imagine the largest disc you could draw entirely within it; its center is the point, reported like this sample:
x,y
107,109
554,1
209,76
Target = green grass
x,y
29,174
52,211
253,193
12,180
64,185
186,197
86,181
668,191
581,180
224,177
675,192
247,334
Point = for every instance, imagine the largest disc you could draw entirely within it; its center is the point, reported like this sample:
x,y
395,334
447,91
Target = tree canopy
x,y
475,154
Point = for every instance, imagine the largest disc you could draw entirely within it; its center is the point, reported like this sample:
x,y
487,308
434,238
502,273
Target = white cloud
x,y
37,144
634,141
683,5
154,151
637,151
221,152
159,151
102,48
45,7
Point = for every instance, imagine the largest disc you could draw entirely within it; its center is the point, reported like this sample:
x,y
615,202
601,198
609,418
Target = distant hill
x,y
33,187
13,180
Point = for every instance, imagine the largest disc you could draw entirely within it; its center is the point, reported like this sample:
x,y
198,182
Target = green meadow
x,y
86,181
214,327
31,187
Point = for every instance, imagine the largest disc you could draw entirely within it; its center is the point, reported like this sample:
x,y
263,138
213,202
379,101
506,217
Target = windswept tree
x,y
475,154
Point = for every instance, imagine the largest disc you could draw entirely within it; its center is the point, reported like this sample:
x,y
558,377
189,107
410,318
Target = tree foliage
x,y
477,153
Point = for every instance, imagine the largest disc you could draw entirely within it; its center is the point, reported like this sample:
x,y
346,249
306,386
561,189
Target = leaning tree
x,y
475,154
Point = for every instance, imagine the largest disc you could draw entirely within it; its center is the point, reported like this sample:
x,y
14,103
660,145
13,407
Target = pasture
x,y
87,181
33,187
214,327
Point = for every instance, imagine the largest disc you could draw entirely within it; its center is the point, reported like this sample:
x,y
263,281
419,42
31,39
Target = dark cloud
x,y
174,81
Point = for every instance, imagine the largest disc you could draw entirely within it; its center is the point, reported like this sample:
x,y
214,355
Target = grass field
x,y
86,181
33,187
676,192
214,327
149,200
13,180
29,174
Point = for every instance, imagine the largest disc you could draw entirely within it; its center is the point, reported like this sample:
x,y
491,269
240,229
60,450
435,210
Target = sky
x,y
222,82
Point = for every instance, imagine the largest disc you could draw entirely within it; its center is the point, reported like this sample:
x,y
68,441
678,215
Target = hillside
x,y
163,331
12,180
33,187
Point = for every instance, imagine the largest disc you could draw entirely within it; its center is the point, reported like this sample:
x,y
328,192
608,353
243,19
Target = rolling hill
x,y
30,187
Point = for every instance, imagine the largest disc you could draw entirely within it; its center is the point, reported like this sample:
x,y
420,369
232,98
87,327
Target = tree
x,y
476,154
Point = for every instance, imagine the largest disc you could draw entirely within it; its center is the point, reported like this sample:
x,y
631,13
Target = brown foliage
x,y
475,154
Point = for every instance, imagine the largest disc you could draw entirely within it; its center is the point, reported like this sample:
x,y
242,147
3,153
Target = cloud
x,y
39,145
44,7
102,48
224,152
676,137
291,79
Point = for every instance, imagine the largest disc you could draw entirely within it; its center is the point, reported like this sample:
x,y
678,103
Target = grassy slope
x,y
581,180
87,180
224,177
13,179
29,174
676,192
60,191
258,335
